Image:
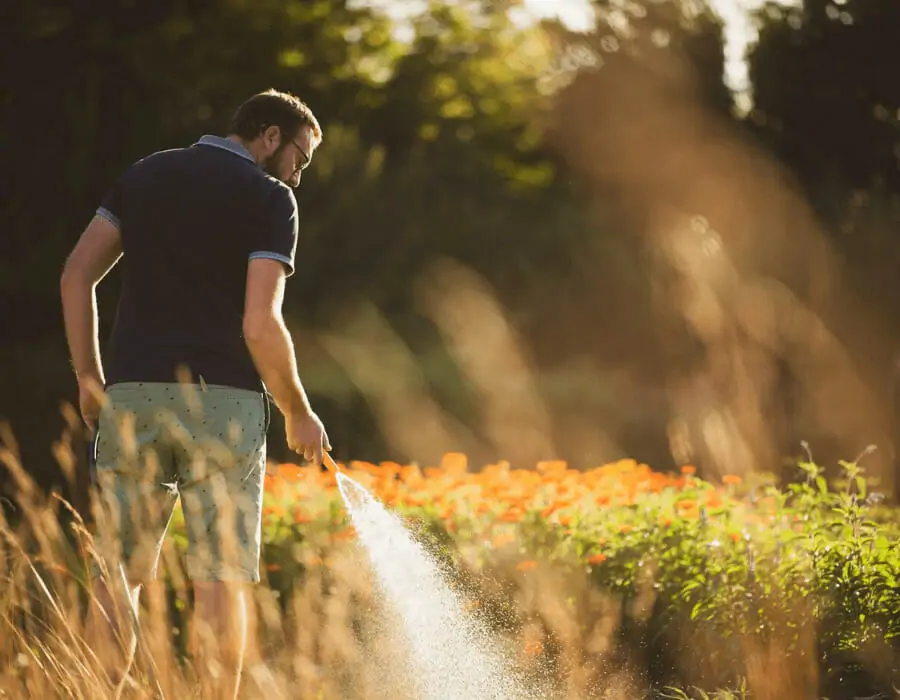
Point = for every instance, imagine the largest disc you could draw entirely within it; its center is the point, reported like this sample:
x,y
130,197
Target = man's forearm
x,y
80,317
272,350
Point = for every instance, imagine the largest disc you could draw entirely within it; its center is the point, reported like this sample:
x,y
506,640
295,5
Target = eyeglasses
x,y
306,157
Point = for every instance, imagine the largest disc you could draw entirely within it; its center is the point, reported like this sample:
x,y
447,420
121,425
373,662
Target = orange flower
x,y
276,510
527,565
482,507
348,533
497,492
455,463
549,510
301,517
689,509
290,472
513,515
411,475
552,468
713,500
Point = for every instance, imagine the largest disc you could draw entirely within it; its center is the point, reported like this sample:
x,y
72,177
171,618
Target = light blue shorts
x,y
157,442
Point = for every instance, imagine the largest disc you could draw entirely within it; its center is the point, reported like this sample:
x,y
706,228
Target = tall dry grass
x,y
333,637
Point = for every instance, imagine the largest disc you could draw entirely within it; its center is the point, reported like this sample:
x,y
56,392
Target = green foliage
x,y
823,94
699,694
761,563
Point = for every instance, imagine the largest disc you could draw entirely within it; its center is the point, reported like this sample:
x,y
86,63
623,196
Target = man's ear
x,y
272,137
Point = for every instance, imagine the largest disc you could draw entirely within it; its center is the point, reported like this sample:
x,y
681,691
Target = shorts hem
x,y
223,577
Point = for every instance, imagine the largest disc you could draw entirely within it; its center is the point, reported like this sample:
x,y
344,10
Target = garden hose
x,y
330,464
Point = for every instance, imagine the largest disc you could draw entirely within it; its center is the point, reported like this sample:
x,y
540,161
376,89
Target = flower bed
x,y
813,568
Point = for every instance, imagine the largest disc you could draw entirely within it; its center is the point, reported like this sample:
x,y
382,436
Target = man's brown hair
x,y
274,108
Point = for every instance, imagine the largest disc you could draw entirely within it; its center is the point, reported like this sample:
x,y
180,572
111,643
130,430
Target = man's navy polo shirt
x,y
191,219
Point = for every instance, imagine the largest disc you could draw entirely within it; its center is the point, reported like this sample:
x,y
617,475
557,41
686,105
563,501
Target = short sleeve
x,y
111,206
276,238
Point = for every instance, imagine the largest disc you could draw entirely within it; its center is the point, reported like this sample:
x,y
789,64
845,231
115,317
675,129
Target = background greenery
x,y
538,159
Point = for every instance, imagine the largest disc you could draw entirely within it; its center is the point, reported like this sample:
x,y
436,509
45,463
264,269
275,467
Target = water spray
x,y
451,654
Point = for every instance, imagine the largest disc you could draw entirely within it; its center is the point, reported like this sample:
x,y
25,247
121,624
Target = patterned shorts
x,y
158,442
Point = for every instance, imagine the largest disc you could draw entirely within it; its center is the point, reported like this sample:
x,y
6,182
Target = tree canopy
x,y
537,158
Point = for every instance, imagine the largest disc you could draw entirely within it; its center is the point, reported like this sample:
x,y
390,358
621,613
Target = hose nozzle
x,y
330,464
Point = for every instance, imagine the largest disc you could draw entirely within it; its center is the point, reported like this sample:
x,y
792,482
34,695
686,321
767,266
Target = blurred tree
x,y
827,98
457,138
144,76
434,149
827,102
93,88
651,78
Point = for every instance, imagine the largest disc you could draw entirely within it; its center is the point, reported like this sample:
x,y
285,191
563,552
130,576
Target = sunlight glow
x,y
579,16
740,32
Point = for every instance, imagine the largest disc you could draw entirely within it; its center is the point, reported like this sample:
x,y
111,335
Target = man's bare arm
x,y
95,254
269,340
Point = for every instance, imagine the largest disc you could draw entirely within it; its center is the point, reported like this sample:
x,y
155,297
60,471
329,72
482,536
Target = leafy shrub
x,y
733,564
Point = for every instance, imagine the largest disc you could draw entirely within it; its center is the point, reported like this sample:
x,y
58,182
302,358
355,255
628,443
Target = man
x,y
207,236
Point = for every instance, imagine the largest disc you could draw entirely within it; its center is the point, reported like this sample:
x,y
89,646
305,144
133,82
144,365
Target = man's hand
x,y
306,436
90,401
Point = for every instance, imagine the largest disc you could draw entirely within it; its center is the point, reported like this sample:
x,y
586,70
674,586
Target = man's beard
x,y
270,164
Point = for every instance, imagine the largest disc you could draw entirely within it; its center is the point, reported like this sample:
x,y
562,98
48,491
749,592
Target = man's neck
x,y
249,147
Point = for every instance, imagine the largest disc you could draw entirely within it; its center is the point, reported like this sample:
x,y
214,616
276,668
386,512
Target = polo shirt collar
x,y
228,145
